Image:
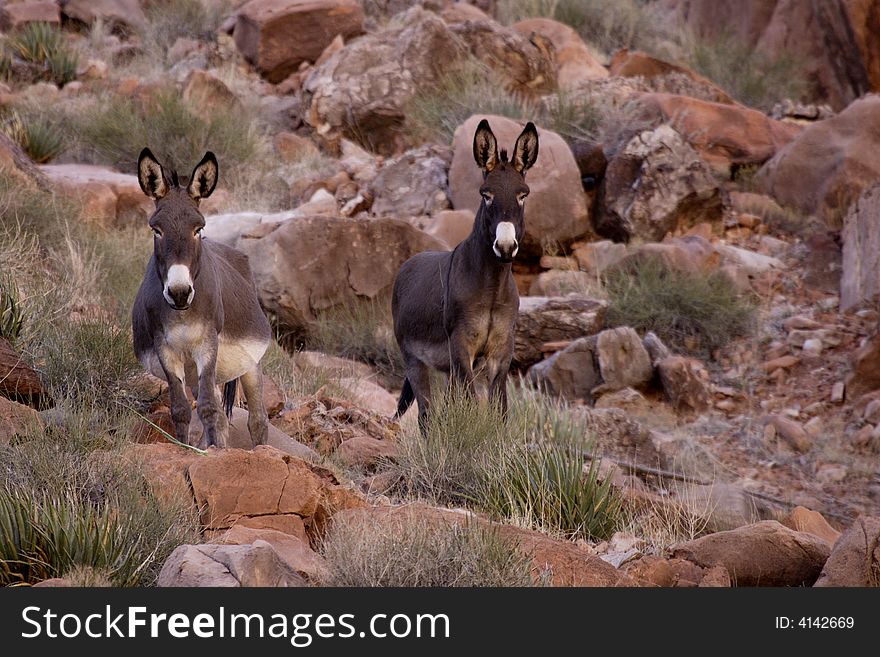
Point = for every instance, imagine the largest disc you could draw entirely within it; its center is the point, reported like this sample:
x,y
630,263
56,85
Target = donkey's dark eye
x,y
157,232
198,231
488,197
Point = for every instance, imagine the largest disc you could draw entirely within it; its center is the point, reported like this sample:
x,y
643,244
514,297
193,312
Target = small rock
x,y
790,431
783,362
831,473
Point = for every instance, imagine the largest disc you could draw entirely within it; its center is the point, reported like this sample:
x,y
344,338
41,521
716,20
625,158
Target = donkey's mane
x,y
503,155
175,179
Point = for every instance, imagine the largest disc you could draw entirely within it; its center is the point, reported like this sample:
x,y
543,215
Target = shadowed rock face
x,y
836,43
855,559
655,185
828,166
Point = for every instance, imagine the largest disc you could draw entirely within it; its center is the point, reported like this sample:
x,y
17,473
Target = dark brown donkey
x,y
455,311
196,319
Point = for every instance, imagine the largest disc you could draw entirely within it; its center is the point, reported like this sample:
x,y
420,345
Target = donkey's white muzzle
x,y
505,245
178,290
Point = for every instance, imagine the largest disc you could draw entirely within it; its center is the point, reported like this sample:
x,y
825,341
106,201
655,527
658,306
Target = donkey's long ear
x,y
204,177
526,150
485,147
151,175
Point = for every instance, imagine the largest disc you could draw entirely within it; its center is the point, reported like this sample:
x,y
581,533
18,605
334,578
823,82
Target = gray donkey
x,y
455,311
197,319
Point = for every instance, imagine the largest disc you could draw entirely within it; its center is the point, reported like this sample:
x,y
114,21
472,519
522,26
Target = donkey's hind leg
x,y
419,376
258,419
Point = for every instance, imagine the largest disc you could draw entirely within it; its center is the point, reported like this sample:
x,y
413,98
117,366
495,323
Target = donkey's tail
x,y
229,390
407,397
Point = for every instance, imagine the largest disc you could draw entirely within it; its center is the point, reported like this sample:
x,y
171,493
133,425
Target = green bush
x,y
66,505
11,315
609,26
39,51
360,331
750,76
114,132
694,313
545,486
437,110
38,135
414,552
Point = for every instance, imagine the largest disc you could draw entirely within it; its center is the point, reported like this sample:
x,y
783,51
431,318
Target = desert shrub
x,y
694,313
415,552
527,469
86,358
546,486
437,110
71,501
37,135
64,508
665,522
448,464
170,20
360,331
11,314
114,132
38,51
609,26
749,75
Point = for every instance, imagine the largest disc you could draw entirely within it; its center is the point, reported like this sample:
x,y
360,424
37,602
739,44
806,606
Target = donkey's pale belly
x,y
185,352
235,358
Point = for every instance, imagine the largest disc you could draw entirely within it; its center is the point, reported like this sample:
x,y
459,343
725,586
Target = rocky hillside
x,y
695,394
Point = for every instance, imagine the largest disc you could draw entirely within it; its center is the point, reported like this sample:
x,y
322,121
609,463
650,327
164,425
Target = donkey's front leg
x,y
216,426
461,362
498,388
258,419
181,411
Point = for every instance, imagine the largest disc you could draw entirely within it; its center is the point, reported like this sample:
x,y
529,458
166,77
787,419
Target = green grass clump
x,y
747,74
11,315
37,135
527,469
437,110
64,508
546,486
694,313
38,51
409,551
360,331
449,463
608,26
115,131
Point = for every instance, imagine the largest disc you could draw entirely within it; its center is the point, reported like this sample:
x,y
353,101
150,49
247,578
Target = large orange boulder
x,y
763,554
723,134
825,169
276,36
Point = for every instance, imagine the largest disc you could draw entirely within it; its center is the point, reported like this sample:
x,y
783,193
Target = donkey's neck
x,y
477,257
